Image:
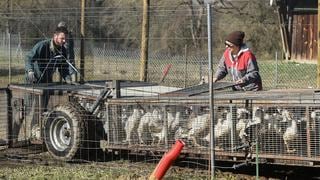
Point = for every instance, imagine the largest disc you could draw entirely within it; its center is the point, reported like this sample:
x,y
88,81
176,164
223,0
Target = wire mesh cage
x,y
279,127
126,117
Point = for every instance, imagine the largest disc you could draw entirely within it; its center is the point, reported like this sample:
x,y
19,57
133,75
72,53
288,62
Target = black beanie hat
x,y
236,38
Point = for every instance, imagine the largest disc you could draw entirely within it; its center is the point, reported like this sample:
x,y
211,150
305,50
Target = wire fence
x,y
185,70
188,70
108,56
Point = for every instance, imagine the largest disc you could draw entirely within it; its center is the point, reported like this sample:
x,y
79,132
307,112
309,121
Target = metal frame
x,y
308,99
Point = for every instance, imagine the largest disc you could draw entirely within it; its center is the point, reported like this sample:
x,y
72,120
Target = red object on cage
x,y
167,160
165,72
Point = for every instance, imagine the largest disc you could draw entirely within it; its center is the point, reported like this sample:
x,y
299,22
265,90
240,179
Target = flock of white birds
x,y
152,126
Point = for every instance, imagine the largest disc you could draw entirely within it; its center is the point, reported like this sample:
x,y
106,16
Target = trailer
x,y
276,126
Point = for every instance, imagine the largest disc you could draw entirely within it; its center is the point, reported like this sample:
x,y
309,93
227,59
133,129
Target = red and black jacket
x,y
242,66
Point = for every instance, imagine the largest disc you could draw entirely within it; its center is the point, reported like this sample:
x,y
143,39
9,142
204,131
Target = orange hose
x,y
167,160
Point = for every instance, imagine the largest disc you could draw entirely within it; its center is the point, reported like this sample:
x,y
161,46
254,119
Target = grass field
x,y
288,75
281,75
120,170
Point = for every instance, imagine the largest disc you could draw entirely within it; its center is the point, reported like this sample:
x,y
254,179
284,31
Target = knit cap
x,y
236,38
62,24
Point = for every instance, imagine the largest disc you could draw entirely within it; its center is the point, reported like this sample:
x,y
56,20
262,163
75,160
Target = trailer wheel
x,y
65,130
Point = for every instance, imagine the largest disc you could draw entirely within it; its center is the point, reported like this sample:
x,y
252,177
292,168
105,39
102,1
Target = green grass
x,y
288,75
274,75
108,170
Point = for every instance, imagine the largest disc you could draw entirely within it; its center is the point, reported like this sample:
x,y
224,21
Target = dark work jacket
x,y
69,45
44,59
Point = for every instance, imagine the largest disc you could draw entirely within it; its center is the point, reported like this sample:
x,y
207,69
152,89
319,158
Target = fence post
x,y
186,66
9,49
82,36
318,61
144,41
276,69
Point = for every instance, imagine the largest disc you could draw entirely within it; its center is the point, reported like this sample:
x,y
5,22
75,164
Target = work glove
x,y
214,80
74,83
68,80
203,80
31,77
240,81
71,80
73,77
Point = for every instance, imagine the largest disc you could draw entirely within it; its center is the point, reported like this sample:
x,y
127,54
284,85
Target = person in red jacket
x,y
238,61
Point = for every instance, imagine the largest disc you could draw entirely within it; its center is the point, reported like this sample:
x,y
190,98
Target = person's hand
x,y
31,77
73,77
204,79
214,80
71,80
240,81
74,83
68,79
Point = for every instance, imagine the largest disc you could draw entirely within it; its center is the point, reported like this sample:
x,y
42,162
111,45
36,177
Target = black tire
x,y
65,131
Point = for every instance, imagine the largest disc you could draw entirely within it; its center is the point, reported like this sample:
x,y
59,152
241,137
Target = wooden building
x,y
299,25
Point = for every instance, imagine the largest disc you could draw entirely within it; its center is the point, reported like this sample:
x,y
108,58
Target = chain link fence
x,y
185,70
172,46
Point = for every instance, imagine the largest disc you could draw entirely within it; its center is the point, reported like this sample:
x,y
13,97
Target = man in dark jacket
x,y
238,61
69,45
47,56
43,60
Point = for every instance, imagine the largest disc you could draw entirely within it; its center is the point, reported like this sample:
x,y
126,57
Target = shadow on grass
x,y
14,71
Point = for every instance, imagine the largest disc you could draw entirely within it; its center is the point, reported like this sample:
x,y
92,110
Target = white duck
x,y
290,134
132,124
173,121
143,128
242,117
223,126
198,128
315,117
156,127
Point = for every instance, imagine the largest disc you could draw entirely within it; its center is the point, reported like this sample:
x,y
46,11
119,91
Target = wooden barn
x,y
298,22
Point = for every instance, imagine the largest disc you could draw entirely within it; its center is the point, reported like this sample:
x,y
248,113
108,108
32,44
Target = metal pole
x,y
9,46
82,36
233,111
318,61
257,159
276,80
186,66
165,126
211,101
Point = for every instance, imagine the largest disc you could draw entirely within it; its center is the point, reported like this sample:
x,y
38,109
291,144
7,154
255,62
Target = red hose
x,y
167,160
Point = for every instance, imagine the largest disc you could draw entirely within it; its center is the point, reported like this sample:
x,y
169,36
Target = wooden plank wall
x,y
304,37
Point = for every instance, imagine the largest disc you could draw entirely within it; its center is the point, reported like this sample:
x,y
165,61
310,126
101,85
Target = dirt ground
x,y
107,170
32,164
38,165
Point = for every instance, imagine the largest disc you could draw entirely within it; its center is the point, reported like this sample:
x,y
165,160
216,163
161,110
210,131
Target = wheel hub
x,y
60,133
